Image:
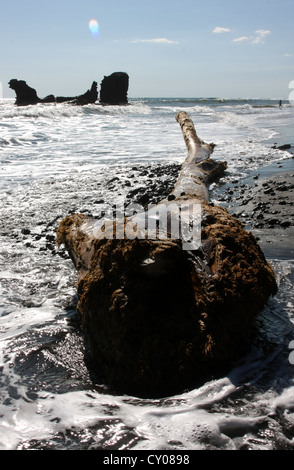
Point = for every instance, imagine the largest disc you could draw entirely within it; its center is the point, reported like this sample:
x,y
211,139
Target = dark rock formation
x,y
26,95
114,89
48,99
89,97
282,147
159,318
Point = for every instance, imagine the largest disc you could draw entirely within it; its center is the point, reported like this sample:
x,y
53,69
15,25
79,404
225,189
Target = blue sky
x,y
169,48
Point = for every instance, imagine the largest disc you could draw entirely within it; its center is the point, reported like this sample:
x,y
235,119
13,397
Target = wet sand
x,y
265,203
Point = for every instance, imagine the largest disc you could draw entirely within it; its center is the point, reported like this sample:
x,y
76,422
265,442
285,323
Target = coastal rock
x,y
48,99
89,97
282,147
25,95
114,89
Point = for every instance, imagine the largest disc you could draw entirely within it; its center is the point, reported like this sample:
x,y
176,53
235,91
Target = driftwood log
x,y
160,318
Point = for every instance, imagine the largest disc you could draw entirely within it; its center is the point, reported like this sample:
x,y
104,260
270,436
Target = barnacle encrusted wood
x,y
158,318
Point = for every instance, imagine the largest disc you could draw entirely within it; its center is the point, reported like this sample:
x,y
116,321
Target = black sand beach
x,y
265,203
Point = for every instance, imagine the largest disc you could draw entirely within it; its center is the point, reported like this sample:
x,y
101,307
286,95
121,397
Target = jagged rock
x,y
25,95
89,97
282,147
114,89
48,99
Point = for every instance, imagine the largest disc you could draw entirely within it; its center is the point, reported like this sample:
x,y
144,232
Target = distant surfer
x,y
280,103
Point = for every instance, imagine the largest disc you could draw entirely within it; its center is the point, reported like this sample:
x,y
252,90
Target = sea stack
x,y
25,95
114,89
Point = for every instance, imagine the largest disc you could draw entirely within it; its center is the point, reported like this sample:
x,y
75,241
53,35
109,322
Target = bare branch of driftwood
x,y
198,169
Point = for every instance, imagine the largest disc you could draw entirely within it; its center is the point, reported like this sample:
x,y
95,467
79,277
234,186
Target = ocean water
x,y
60,159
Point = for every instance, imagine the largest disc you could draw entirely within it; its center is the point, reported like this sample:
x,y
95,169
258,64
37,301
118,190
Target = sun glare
x,y
94,28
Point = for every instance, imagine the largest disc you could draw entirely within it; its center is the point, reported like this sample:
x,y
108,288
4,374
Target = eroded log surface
x,y
158,318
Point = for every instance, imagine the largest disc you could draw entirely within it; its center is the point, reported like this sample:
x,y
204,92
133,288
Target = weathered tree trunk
x,y
160,317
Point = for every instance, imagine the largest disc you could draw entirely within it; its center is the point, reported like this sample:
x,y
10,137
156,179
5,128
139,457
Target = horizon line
x,y
219,98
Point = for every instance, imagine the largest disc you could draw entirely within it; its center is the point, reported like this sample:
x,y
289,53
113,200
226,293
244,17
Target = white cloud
x,y
220,29
156,40
241,39
258,39
287,55
261,34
